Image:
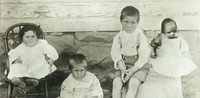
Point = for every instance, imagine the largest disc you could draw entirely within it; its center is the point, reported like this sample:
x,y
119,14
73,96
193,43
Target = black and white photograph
x,y
99,48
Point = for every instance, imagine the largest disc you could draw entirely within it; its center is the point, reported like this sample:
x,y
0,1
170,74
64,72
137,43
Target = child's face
x,y
171,31
79,71
30,39
129,23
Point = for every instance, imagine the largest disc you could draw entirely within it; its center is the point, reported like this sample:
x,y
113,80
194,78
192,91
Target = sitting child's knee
x,y
134,81
15,80
117,82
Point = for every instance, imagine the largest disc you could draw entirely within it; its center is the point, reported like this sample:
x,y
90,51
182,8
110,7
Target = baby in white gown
x,y
171,56
170,60
29,59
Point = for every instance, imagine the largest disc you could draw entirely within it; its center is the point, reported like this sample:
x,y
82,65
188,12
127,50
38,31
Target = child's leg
x,y
132,87
20,85
117,87
124,90
31,81
16,81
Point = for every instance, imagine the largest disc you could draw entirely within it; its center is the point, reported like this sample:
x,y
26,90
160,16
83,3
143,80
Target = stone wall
x,y
96,47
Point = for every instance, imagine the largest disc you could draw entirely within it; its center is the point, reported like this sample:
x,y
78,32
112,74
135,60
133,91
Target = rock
x,y
62,62
61,42
56,34
95,36
95,52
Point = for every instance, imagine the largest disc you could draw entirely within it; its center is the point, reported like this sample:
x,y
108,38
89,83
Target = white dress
x,y
172,62
87,87
33,64
129,43
173,58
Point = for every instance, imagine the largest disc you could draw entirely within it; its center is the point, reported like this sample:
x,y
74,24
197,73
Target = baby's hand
x,y
17,61
50,62
153,54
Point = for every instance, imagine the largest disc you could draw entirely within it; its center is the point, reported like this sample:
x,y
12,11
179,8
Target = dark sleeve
x,y
156,42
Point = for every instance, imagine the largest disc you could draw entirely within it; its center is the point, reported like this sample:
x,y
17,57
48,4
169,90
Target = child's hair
x,y
130,11
28,28
76,59
165,21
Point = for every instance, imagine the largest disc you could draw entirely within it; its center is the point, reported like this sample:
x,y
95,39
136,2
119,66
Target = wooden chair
x,y
11,41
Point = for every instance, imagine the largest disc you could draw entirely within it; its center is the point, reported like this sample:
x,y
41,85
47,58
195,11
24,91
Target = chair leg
x,y
10,90
38,88
46,91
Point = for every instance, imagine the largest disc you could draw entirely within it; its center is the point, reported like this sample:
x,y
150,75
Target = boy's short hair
x,y
165,21
130,11
28,28
76,59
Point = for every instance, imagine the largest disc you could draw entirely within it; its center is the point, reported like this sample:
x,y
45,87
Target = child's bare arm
x,y
122,68
121,65
116,54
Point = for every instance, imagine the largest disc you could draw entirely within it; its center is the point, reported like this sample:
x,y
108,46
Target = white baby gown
x,y
173,58
33,64
172,62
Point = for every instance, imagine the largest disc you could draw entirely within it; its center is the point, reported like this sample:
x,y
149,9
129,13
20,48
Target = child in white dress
x,y
170,60
130,52
172,57
33,58
80,83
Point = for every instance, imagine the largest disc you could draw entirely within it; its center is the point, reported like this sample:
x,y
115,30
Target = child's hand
x,y
153,53
153,56
17,61
128,73
50,62
123,75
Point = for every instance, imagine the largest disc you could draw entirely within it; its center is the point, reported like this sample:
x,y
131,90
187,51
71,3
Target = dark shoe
x,y
32,82
20,89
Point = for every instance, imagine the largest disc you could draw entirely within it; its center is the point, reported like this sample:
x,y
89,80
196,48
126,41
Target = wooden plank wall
x,y
101,15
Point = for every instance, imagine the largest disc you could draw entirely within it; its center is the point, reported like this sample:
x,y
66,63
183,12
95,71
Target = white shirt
x,y
88,87
173,58
33,60
129,43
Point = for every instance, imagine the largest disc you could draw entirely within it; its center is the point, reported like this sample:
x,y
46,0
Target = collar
x,y
86,79
123,33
